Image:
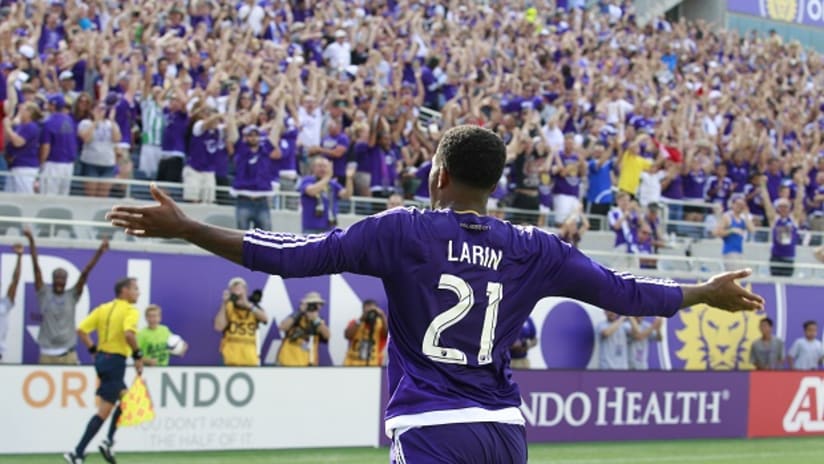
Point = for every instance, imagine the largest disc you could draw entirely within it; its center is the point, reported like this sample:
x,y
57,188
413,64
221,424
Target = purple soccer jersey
x,y
460,287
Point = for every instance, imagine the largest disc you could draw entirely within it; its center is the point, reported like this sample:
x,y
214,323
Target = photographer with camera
x,y
303,332
238,319
367,337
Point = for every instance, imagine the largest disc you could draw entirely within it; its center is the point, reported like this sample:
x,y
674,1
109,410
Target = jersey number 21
x,y
453,315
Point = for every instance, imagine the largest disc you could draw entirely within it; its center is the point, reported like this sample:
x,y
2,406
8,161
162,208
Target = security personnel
x,y
116,325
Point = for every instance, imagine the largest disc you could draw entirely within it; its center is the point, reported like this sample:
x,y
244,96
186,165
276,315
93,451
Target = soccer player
x,y
116,325
460,285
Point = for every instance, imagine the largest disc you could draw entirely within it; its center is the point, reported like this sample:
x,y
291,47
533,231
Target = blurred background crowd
x,y
244,94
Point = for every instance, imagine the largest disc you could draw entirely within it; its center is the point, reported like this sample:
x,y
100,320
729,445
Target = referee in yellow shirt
x,y
116,325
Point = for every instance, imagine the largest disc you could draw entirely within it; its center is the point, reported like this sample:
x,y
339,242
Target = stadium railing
x,y
86,234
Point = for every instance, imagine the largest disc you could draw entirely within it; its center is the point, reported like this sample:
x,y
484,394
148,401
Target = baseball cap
x,y
340,33
27,51
313,297
251,128
57,100
66,75
237,280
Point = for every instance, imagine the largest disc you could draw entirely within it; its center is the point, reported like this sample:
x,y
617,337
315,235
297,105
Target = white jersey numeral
x,y
431,339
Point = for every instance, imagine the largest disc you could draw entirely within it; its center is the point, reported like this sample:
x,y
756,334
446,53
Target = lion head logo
x,y
717,340
782,10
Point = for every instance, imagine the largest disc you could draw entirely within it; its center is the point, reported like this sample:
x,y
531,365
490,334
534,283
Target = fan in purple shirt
x,y
460,286
23,149
334,147
58,148
718,186
739,171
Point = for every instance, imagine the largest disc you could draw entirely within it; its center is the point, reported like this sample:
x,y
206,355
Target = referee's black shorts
x,y
111,370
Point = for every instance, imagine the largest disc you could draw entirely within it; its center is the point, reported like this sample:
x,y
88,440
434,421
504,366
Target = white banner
x,y
196,408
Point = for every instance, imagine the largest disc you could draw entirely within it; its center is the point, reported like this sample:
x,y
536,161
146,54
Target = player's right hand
x,y
164,220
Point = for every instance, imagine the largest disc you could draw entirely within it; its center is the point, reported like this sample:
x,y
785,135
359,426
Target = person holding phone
x,y
100,135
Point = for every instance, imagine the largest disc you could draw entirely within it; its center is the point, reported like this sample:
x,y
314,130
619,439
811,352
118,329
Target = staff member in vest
x,y
303,332
57,337
253,179
784,220
23,148
116,325
733,228
367,337
319,195
58,148
238,320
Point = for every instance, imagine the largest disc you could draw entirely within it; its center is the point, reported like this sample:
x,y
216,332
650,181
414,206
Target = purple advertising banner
x,y
565,406
189,289
806,12
592,406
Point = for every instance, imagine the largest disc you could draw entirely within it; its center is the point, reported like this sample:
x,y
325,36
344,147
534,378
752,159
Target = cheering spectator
x,y
99,134
23,148
574,228
58,148
7,300
320,193
254,164
173,140
784,220
601,176
57,337
733,229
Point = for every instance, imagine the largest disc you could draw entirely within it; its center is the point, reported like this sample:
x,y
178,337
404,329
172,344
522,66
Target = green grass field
x,y
790,450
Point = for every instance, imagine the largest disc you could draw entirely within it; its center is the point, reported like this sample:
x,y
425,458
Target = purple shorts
x,y
472,443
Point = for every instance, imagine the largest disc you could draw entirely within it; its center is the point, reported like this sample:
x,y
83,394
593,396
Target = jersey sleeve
x,y
367,247
89,323
130,321
572,274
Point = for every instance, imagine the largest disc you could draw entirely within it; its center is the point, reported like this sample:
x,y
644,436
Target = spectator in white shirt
x,y
311,122
253,15
806,353
338,54
649,191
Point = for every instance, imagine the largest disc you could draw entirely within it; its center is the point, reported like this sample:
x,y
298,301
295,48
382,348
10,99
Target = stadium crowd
x,y
243,93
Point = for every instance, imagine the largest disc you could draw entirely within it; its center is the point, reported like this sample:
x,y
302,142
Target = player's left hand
x,y
138,366
723,292
164,220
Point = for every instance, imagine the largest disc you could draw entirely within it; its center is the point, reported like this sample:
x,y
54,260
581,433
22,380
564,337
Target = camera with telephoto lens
x,y
312,306
371,317
256,296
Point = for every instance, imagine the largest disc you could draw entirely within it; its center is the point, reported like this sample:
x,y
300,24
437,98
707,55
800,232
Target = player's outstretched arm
x,y
722,292
167,220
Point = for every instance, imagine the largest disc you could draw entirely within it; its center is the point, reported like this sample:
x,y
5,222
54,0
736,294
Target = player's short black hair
x,y
473,156
121,284
809,323
768,321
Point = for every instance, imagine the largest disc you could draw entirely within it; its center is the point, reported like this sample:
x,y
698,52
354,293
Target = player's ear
x,y
443,178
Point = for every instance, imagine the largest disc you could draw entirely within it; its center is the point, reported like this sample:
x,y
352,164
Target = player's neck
x,y
465,205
